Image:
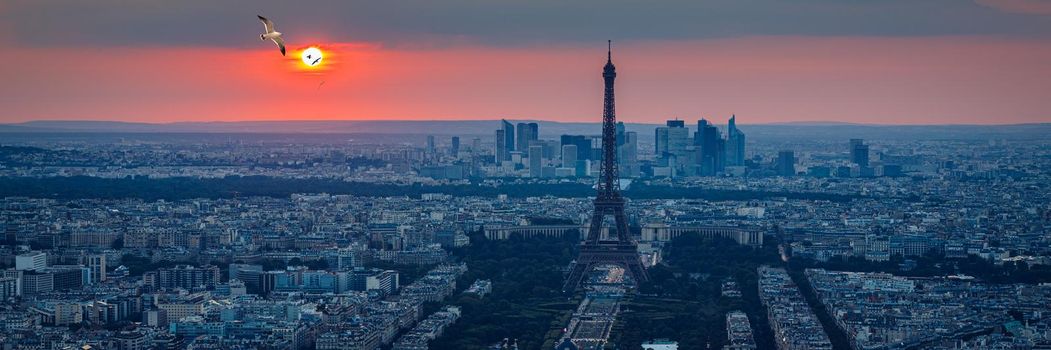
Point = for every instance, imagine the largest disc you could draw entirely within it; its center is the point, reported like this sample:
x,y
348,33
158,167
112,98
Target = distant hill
x,y
548,129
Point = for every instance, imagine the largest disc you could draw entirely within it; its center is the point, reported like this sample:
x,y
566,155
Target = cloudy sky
x,y
878,61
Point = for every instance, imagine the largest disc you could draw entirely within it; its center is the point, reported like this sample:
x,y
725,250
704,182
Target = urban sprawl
x,y
255,267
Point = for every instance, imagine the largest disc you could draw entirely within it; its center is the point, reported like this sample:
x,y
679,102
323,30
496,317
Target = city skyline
x,y
486,204
886,63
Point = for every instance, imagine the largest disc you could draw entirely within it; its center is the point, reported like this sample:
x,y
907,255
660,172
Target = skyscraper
x,y
720,154
454,150
786,163
526,133
582,142
509,138
620,133
569,156
711,147
660,141
430,143
678,138
859,152
536,156
734,143
501,152
628,155
672,139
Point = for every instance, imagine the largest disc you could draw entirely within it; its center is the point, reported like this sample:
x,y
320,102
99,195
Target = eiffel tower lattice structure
x,y
595,251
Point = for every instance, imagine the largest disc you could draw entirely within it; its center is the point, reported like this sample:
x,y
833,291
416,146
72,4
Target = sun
x,y
312,56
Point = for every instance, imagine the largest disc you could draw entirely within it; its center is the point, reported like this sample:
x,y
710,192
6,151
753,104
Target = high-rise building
x,y
859,152
569,156
551,148
97,263
628,154
711,152
500,154
734,143
536,157
672,140
660,141
454,149
678,138
33,261
527,133
720,154
786,163
430,143
509,137
582,142
621,129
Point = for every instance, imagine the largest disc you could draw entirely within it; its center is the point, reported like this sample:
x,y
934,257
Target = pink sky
x,y
917,80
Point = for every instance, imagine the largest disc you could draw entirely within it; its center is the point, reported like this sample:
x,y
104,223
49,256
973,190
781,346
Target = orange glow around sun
x,y
324,65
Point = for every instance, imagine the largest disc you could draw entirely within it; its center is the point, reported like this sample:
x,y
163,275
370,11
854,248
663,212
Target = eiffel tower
x,y
595,251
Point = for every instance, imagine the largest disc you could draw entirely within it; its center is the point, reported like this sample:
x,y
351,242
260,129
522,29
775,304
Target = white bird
x,y
272,34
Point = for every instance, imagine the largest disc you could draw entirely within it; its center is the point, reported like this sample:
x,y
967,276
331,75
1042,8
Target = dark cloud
x,y
437,22
1033,7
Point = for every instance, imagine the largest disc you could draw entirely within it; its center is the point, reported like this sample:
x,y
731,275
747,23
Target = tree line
x,y
177,188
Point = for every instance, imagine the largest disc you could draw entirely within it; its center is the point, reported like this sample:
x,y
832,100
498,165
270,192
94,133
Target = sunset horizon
x,y
982,62
718,120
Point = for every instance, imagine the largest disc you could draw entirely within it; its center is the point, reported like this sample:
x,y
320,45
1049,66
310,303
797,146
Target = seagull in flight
x,y
272,34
